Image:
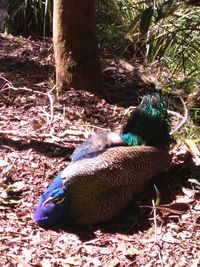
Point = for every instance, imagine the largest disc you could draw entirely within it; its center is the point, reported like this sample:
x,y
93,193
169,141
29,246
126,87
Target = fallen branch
x,y
45,135
7,85
91,126
175,114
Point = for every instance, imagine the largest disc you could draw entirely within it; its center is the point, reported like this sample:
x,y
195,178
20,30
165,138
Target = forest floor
x,y
39,131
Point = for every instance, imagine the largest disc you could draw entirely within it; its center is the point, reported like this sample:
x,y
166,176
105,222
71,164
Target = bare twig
x,y
72,132
45,135
155,233
51,105
91,126
184,117
164,208
25,89
46,114
154,219
175,114
7,85
51,115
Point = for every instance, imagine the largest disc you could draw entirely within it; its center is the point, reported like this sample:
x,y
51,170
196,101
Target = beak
x,y
47,201
53,200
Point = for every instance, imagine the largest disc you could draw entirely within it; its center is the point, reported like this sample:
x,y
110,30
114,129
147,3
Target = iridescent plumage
x,y
101,179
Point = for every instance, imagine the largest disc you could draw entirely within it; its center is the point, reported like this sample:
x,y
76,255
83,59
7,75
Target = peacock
x,y
108,169
150,115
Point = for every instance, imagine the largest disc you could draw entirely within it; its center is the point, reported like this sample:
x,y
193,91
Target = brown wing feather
x,y
120,161
100,187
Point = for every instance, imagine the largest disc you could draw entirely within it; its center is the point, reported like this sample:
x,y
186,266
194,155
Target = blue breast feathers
x,y
51,212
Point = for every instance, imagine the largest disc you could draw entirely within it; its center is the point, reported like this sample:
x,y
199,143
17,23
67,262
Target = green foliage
x,y
146,20
115,21
190,130
30,17
163,32
176,43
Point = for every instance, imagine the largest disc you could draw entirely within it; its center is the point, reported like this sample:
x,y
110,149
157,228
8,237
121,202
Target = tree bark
x,y
75,45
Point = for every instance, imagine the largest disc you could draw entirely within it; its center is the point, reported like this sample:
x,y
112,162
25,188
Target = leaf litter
x,y
38,134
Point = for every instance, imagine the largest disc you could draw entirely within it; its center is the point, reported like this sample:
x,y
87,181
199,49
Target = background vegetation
x,y
164,34
160,31
30,17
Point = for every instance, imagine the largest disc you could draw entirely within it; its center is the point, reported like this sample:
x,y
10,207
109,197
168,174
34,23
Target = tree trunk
x,y
75,45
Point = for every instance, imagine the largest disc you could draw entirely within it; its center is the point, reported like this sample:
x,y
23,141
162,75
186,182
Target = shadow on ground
x,y
29,68
48,149
25,68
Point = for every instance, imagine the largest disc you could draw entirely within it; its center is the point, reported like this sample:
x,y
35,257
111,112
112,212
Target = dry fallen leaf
x,y
113,263
168,237
46,263
189,192
17,186
3,163
96,262
20,262
35,165
121,246
184,199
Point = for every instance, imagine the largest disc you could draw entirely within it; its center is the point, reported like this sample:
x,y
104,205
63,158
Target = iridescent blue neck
x,y
132,139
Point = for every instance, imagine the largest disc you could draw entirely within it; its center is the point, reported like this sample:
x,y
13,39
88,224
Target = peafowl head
x,y
52,205
148,124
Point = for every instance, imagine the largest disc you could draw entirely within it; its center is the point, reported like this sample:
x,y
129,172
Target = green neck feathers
x,y
148,124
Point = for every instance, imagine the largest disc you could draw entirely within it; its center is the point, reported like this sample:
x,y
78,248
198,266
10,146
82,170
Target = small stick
x,y
155,232
51,107
184,118
45,135
154,219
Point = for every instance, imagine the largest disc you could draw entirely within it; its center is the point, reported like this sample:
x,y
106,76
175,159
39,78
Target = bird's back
x,y
100,187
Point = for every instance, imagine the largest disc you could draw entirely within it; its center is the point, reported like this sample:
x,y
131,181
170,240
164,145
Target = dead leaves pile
x,y
172,239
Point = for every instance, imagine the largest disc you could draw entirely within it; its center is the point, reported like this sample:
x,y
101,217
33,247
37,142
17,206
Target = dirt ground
x,y
39,129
